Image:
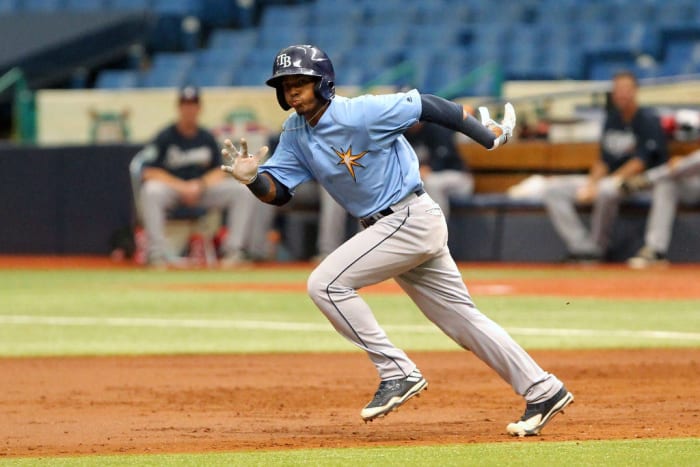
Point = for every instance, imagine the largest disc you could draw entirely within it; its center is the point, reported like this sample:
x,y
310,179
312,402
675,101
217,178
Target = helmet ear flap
x,y
280,98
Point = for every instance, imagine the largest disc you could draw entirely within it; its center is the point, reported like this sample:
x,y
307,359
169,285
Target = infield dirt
x,y
209,403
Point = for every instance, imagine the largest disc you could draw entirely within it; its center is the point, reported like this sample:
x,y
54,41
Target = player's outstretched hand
x,y
503,130
241,165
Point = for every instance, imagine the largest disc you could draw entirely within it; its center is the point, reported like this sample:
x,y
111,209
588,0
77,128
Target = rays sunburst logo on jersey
x,y
349,160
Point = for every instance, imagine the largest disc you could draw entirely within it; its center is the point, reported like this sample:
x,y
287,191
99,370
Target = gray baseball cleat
x,y
392,393
536,416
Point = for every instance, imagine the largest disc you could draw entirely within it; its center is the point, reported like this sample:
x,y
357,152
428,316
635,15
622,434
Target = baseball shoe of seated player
x,y
234,260
636,183
646,257
393,393
536,416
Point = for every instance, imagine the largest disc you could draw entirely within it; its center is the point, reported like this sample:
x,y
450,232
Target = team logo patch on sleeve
x,y
349,160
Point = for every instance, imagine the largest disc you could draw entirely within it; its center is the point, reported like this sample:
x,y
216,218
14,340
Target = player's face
x,y
299,94
624,93
189,112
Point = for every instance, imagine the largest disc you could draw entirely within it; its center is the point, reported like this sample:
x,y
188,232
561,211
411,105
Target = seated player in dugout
x,y
356,150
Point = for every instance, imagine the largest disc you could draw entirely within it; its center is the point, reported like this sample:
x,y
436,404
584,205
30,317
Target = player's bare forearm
x,y
268,190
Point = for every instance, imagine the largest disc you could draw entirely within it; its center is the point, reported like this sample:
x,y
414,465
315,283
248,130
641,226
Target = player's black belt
x,y
371,220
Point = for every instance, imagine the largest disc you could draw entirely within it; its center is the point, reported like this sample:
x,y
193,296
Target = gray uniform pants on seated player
x,y
245,216
670,186
442,184
411,245
331,223
560,199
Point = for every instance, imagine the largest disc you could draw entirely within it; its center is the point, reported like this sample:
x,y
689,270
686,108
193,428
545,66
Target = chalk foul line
x,y
318,327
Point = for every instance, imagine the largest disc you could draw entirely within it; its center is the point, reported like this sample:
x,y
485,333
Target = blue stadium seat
x,y
173,61
130,4
330,12
175,7
85,5
681,56
281,36
286,16
42,5
9,6
332,39
562,62
168,70
162,78
388,12
212,76
233,39
603,69
677,13
211,58
253,76
117,79
447,34
387,36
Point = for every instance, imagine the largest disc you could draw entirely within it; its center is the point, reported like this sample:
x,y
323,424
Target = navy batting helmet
x,y
303,60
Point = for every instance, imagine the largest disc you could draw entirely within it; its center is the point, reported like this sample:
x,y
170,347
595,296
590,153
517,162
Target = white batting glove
x,y
241,165
504,130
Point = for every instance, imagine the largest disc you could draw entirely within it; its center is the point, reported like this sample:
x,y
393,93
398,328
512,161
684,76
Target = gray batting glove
x,y
503,130
241,165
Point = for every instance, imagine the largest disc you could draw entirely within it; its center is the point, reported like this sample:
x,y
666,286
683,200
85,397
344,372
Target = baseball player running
x,y
356,150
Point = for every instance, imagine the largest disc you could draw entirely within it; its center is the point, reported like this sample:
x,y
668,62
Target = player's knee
x,y
322,286
152,189
315,284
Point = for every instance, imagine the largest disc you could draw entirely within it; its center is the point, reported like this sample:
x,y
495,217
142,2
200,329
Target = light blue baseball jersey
x,y
356,151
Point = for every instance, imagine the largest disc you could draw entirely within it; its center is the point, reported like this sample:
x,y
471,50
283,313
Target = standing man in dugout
x,y
632,141
181,167
356,150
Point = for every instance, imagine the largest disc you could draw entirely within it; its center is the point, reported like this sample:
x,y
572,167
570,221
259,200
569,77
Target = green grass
x,y
658,452
98,312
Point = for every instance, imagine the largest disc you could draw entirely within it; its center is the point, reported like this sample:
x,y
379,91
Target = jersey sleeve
x,y
651,142
216,158
284,166
388,116
155,151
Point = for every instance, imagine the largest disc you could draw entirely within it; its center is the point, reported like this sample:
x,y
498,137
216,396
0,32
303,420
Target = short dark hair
x,y
626,74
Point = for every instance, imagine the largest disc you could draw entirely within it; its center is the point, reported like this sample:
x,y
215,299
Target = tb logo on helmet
x,y
284,60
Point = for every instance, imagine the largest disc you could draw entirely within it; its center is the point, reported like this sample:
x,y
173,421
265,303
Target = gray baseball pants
x,y
680,183
411,247
560,200
247,220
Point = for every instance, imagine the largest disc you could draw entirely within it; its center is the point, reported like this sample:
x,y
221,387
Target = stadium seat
x,y
168,70
85,5
9,6
42,5
117,79
561,63
329,12
175,7
233,39
286,16
331,39
211,58
604,68
211,76
280,36
130,4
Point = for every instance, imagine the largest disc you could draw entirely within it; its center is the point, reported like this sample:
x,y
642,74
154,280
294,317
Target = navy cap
x,y
189,94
